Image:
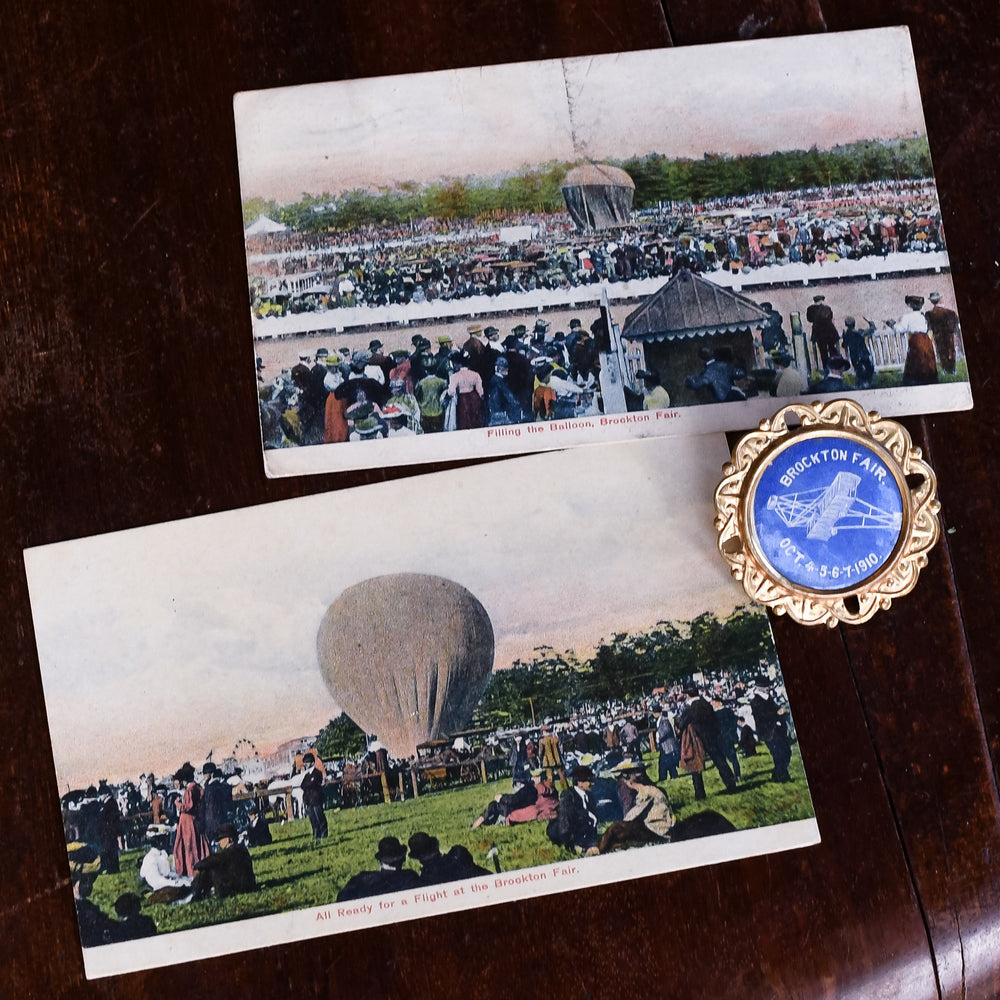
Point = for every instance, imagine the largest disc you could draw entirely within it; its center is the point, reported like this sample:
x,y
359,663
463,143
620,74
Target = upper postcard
x,y
525,257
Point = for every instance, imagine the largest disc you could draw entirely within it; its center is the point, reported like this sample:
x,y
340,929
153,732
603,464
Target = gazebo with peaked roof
x,y
686,319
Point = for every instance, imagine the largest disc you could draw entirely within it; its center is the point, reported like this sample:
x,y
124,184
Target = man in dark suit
x,y
109,829
772,729
728,735
833,381
216,801
422,361
575,825
391,876
96,927
312,796
772,333
132,923
824,333
227,872
484,361
856,348
312,400
475,347
258,832
376,356
436,867
718,376
520,377
300,372
585,361
700,715
426,851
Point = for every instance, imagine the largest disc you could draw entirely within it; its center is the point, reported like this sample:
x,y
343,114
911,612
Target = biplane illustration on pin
x,y
829,509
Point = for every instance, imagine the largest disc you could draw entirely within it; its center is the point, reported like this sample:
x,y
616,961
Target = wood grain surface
x,y
126,402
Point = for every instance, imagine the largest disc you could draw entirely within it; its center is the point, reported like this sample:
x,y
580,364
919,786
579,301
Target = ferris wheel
x,y
243,749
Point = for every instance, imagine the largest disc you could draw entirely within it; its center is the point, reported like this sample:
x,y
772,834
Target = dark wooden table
x,y
126,402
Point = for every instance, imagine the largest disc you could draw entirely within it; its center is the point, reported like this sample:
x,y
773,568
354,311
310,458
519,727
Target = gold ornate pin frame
x,y
827,512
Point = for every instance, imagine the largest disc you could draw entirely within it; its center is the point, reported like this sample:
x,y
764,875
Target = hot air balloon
x,y
598,195
406,656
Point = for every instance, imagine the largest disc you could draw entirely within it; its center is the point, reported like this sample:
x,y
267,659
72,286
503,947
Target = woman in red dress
x,y
467,384
191,844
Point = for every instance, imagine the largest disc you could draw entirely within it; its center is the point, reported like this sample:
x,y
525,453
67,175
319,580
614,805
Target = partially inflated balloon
x,y
406,656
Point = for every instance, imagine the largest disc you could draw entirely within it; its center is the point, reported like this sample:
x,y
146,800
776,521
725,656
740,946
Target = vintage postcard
x,y
304,718
527,257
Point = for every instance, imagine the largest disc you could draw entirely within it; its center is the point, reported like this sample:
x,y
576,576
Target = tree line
x,y
657,179
454,198
625,668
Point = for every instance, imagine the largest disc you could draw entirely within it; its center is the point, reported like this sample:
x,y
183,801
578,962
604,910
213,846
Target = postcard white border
x,y
522,883
522,439
572,130
91,597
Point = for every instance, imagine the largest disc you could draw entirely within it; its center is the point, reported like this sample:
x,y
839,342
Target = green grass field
x,y
296,872
892,378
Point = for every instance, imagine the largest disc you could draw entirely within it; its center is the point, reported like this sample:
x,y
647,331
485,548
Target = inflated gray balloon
x,y
406,656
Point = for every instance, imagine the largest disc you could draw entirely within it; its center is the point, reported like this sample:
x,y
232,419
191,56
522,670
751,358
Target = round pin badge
x,y
827,512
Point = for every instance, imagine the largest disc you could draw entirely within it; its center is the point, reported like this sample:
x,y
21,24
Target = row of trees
x,y
660,179
454,198
626,668
657,179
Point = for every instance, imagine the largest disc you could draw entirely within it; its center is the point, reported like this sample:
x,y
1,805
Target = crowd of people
x,y
586,777
932,339
541,374
435,868
179,826
333,396
382,266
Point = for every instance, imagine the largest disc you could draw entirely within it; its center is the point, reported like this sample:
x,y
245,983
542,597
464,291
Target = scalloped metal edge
x,y
894,580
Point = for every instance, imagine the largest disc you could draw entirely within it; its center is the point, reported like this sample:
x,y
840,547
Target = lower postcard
x,y
383,704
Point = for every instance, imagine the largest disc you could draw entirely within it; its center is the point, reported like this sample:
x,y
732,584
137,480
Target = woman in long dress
x,y
920,367
191,844
467,385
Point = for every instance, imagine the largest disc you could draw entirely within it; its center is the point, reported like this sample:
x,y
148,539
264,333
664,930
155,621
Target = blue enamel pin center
x,y
827,512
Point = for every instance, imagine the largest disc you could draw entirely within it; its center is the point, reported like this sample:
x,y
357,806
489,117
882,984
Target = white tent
x,y
263,226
